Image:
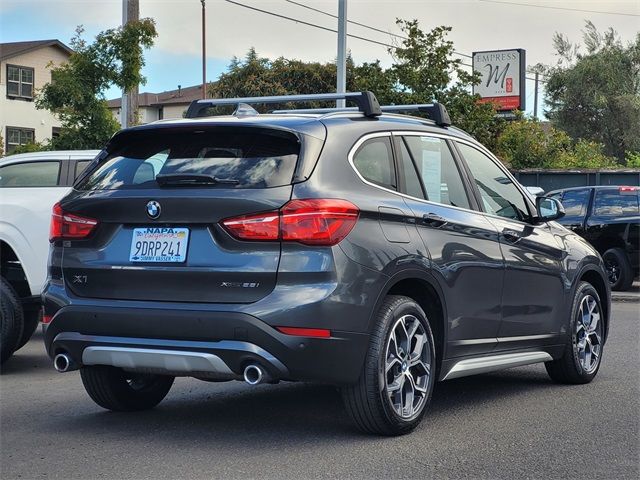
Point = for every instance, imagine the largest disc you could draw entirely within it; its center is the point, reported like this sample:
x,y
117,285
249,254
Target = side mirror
x,y
549,209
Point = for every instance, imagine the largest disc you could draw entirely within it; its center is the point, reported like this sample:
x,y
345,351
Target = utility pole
x,y
535,97
204,50
341,86
129,103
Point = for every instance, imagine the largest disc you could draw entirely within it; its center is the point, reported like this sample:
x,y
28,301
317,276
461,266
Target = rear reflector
x,y
315,221
68,226
46,319
305,332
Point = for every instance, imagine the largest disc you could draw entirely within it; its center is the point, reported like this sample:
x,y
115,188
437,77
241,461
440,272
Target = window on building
x,y
19,82
18,136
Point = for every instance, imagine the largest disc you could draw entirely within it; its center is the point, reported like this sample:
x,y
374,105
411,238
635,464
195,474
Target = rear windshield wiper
x,y
193,179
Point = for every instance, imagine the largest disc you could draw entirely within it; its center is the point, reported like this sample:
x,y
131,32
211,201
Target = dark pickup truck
x,y
609,218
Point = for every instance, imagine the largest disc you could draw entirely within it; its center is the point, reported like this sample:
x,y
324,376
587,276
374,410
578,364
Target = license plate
x,y
156,244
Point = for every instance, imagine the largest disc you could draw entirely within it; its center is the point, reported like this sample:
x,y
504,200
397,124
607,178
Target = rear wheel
x,y
583,353
114,389
618,268
396,382
11,320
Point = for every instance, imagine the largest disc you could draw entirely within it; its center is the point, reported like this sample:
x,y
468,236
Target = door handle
x,y
511,235
433,219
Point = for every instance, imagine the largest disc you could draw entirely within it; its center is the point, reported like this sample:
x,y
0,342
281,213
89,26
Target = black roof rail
x,y
366,102
435,111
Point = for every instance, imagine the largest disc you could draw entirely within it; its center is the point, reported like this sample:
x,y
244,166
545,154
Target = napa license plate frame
x,y
159,245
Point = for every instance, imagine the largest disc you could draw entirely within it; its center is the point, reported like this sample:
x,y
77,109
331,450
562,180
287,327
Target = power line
x,y
375,29
560,8
297,20
327,29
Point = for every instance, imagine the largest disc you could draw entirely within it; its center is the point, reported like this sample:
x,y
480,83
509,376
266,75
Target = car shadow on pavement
x,y
21,361
303,412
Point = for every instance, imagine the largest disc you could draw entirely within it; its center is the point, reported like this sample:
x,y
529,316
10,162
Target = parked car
x,y
30,184
608,217
376,251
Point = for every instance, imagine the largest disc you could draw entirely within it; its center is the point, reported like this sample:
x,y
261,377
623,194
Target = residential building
x,y
25,67
158,106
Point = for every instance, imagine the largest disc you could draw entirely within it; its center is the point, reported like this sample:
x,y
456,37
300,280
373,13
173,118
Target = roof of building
x,y
13,49
181,96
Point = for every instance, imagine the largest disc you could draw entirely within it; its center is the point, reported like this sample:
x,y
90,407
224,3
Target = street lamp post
x,y
204,51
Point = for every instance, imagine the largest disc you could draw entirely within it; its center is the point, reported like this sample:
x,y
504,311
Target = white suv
x,y
30,184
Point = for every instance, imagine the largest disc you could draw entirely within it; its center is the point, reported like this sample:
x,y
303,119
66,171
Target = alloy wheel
x,y
407,367
588,334
613,269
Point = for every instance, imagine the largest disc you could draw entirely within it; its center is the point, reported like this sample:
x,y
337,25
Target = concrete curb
x,y
632,295
622,297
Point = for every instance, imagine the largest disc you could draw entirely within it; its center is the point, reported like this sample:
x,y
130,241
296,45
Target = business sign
x,y
502,81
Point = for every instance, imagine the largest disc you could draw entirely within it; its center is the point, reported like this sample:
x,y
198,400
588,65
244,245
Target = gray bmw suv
x,y
376,251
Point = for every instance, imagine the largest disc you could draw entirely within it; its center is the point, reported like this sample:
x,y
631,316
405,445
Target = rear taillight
x,y
316,221
261,226
628,189
68,226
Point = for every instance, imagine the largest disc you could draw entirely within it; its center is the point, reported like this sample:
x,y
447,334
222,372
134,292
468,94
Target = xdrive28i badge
x,y
153,209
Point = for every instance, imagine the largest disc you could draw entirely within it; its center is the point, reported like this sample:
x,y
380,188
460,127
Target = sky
x,y
232,29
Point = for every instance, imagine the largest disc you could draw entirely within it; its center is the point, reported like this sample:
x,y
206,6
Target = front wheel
x,y
583,352
114,389
394,388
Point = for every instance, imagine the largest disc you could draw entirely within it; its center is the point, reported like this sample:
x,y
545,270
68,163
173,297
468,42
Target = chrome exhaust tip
x,y
62,363
254,374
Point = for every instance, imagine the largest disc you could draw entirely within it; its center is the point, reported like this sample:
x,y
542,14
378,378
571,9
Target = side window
x,y
80,166
30,174
374,161
499,194
437,170
575,202
412,182
614,203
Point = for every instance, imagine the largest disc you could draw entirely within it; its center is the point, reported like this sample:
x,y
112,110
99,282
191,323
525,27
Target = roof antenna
x,y
244,110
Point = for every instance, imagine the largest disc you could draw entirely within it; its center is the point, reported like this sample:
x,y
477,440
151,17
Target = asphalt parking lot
x,y
510,424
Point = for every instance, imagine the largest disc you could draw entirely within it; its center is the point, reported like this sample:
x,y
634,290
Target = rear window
x,y
251,158
614,203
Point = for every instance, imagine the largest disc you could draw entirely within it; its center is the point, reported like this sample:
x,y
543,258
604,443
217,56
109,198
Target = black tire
x,y
11,320
114,389
32,318
367,401
569,368
619,269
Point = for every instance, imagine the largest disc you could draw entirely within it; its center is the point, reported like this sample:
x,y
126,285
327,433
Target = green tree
x,y
258,76
425,70
596,95
76,90
530,144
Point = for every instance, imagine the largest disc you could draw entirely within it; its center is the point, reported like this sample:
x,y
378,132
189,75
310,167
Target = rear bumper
x,y
199,343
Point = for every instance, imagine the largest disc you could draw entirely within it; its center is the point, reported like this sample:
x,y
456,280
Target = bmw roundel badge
x,y
153,209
